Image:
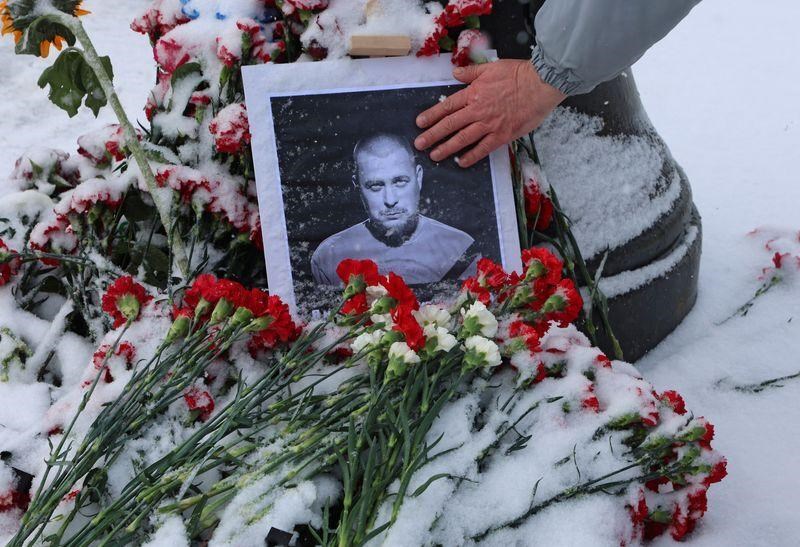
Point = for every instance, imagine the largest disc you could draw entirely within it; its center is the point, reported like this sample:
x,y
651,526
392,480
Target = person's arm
x,y
580,43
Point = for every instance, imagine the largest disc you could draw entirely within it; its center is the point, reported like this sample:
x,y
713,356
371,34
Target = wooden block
x,y
379,46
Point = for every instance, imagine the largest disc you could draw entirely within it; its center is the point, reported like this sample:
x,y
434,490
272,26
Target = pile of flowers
x,y
184,399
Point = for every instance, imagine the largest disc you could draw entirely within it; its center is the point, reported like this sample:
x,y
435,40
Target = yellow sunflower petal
x,y
58,41
44,48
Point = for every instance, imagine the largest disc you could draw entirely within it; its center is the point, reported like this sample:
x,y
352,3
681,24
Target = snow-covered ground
x,y
723,90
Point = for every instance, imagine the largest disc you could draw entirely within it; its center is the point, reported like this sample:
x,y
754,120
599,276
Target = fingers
x,y
481,150
451,104
444,128
470,135
468,73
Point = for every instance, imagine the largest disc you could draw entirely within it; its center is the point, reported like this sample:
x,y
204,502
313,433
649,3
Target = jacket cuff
x,y
563,79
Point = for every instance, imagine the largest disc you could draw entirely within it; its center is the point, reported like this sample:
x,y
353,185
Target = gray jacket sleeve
x,y
581,43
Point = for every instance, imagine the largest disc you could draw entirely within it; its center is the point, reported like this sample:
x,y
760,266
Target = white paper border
x,y
262,82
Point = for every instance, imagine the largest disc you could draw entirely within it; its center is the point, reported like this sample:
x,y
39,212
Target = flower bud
x,y
241,316
535,270
221,311
523,295
259,323
203,306
555,302
382,305
128,305
355,285
178,329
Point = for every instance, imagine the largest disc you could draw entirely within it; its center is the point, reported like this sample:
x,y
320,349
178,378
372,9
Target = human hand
x,y
504,100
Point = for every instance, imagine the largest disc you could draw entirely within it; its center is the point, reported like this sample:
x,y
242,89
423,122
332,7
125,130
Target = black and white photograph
x,y
352,185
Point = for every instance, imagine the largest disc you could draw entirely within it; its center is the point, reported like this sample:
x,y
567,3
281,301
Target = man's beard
x,y
393,236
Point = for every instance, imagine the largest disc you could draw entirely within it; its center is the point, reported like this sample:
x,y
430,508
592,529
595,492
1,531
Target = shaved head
x,y
382,145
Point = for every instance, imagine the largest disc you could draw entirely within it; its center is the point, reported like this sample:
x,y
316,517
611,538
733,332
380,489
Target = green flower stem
x,y
117,422
566,239
131,138
42,506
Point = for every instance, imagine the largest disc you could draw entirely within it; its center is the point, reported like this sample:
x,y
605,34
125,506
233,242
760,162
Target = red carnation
x,y
708,436
491,275
698,502
355,305
431,44
124,299
520,329
199,400
474,289
405,323
564,305
718,472
280,328
639,513
468,41
603,361
674,400
9,263
101,356
398,290
231,129
14,499
472,8
201,288
538,207
590,401
170,54
542,265
541,373
654,484
682,524
358,274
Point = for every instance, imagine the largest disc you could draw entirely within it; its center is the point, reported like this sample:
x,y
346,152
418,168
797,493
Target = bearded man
x,y
395,235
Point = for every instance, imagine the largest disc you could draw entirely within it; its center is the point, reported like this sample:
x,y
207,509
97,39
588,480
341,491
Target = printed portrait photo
x,y
352,185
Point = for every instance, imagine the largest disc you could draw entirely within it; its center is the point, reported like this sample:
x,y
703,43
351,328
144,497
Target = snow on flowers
x,y
203,402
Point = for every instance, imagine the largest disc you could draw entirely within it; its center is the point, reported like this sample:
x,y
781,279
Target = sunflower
x,y
17,15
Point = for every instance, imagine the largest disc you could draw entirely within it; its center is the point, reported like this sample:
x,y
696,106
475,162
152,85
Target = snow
x,y
624,174
722,90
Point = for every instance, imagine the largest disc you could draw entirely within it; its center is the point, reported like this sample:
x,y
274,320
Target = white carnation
x,y
444,340
400,350
375,293
484,347
366,340
431,314
384,319
479,320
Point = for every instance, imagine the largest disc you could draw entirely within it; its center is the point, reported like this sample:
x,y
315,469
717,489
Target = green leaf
x,y
446,43
185,70
473,21
72,82
135,209
428,482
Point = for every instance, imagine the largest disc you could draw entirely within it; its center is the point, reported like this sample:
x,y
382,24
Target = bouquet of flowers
x,y
203,410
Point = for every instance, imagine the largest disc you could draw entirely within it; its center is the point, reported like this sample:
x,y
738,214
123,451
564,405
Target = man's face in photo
x,y
390,182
